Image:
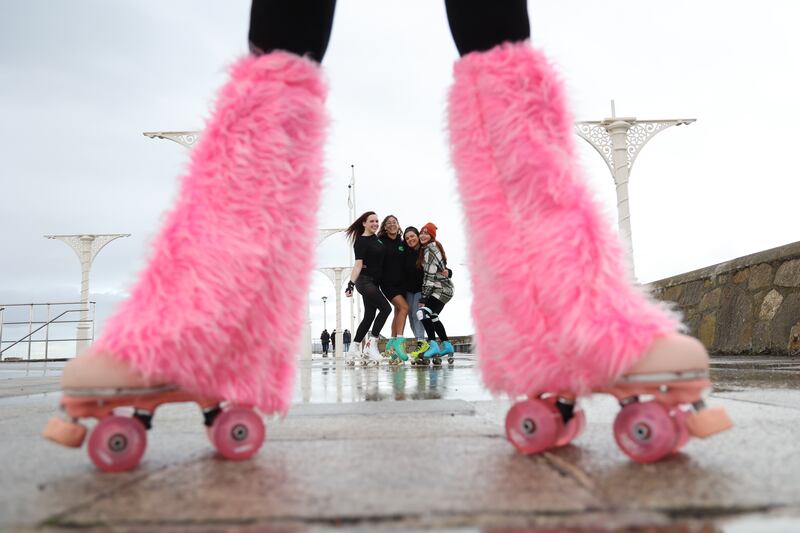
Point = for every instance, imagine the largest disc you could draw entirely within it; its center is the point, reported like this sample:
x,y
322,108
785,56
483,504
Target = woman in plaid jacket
x,y
437,290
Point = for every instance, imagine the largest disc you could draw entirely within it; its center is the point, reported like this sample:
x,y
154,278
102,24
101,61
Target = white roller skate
x,y
354,354
372,356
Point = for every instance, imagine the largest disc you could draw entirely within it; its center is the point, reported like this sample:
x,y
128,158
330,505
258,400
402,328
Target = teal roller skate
x,y
396,350
447,350
390,352
434,354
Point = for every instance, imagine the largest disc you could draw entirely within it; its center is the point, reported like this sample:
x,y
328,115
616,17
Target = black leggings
x,y
433,326
374,300
303,27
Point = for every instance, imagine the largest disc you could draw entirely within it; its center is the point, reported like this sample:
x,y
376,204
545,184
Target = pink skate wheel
x,y
572,429
237,432
645,431
117,443
679,417
533,426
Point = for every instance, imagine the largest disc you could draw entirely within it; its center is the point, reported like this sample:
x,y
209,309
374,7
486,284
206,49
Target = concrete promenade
x,y
410,449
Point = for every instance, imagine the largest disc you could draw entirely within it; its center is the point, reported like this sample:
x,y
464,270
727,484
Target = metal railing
x,y
39,329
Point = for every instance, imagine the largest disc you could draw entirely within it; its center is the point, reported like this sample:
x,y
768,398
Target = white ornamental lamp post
x,y
86,247
323,234
324,312
184,138
619,140
335,274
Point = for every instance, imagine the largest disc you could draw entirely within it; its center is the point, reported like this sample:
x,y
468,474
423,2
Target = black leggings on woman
x,y
374,300
430,320
303,27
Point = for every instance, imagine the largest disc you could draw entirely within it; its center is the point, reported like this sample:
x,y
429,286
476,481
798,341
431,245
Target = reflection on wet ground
x,y
329,380
740,373
12,370
770,380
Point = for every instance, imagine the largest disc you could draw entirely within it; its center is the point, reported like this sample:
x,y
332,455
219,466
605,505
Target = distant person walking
x,y
326,339
346,338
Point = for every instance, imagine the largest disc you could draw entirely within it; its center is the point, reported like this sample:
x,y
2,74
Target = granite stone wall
x,y
750,305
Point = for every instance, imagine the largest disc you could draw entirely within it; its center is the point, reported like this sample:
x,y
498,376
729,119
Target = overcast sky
x,y
81,80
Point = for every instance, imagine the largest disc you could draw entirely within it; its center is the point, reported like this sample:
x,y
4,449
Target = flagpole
x,y
351,202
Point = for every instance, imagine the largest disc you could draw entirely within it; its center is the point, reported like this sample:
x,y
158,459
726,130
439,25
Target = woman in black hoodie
x,y
393,284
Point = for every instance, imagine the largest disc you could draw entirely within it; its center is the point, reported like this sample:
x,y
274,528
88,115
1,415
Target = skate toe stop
x,y
65,433
709,421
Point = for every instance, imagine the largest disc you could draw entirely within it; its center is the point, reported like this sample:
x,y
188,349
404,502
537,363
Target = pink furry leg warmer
x,y
218,309
553,304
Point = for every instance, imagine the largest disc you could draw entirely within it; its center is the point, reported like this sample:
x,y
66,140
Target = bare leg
x,y
400,315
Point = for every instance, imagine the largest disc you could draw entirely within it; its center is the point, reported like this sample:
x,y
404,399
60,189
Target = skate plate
x,y
666,391
100,403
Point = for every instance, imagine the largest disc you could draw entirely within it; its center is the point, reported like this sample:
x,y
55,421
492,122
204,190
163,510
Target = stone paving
x,y
409,449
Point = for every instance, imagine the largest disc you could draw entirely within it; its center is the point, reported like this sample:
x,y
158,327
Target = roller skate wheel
x,y
237,432
572,429
450,360
117,443
533,426
679,417
69,434
645,432
709,421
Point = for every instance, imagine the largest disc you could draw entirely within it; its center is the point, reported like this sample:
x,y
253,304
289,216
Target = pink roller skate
x,y
230,266
556,314
124,402
662,399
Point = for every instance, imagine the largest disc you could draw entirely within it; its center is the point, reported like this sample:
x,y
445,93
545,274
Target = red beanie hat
x,y
431,227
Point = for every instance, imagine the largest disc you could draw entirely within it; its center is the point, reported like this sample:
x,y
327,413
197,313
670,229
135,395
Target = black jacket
x,y
413,275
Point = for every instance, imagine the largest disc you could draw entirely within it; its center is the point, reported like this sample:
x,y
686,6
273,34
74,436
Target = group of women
x,y
406,272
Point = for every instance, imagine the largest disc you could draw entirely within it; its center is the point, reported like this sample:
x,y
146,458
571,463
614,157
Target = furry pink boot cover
x,y
219,307
553,304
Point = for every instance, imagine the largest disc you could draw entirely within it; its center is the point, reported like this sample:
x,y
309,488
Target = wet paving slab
x,y
411,449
